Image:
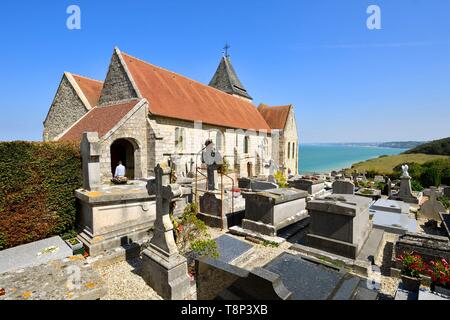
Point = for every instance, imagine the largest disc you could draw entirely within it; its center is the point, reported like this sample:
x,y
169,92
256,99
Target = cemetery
x,y
253,239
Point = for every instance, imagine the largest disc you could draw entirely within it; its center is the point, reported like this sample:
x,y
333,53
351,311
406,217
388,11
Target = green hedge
x,y
37,184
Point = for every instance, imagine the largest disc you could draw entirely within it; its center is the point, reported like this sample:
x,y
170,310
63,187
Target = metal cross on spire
x,y
227,46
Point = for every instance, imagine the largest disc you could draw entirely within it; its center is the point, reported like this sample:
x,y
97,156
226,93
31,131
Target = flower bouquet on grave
x,y
236,192
119,180
439,271
412,268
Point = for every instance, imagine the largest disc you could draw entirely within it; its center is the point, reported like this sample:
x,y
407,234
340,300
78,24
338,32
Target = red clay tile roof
x,y
275,116
175,96
99,119
90,87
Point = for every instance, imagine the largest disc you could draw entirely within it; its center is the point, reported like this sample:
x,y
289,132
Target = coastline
x,y
326,157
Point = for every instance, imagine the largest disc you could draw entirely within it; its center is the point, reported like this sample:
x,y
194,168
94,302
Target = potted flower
x,y
76,245
439,272
412,267
236,192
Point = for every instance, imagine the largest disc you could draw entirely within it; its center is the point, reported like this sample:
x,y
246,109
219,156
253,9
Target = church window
x,y
246,144
289,150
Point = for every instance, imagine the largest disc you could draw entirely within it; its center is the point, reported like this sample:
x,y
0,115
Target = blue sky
x,y
348,83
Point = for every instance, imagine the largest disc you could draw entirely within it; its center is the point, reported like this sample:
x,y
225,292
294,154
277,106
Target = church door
x,y
123,150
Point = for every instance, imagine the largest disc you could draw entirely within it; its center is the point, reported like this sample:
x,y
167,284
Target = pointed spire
x,y
226,79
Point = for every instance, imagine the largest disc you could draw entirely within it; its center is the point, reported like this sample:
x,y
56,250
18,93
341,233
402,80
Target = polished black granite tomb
x,y
308,280
231,248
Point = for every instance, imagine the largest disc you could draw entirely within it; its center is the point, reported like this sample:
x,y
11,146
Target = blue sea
x,y
322,158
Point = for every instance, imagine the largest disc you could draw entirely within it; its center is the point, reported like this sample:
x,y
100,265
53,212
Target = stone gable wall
x,y
287,138
117,86
133,129
66,109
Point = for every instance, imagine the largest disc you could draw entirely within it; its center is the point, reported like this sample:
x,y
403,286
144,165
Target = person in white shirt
x,y
120,170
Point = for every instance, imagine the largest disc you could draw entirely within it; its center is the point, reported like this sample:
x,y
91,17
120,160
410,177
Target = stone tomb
x,y
221,213
115,216
268,211
313,187
308,279
33,254
339,224
255,184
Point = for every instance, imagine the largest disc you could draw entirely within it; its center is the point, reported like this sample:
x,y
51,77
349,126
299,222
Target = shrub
x,y
416,186
445,201
281,179
37,184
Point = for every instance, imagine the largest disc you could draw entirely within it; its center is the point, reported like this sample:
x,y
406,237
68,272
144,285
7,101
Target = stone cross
x,y
272,168
163,268
213,159
90,153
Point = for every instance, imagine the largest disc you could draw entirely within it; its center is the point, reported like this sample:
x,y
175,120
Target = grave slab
x,y
231,248
32,254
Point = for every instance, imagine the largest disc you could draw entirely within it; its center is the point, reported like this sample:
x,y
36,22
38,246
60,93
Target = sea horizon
x,y
327,157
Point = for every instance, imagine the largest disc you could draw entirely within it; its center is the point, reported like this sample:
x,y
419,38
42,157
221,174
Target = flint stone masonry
x,y
66,109
55,280
268,211
31,254
114,216
339,224
343,187
117,86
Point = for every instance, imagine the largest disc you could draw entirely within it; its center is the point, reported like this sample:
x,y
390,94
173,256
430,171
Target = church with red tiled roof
x,y
145,115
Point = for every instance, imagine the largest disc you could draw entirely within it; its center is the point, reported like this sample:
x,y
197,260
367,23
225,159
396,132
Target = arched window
x,y
246,144
219,141
289,150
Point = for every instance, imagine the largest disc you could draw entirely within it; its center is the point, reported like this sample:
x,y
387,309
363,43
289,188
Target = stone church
x,y
145,115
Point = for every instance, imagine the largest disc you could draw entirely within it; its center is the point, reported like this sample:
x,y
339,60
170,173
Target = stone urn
x,y
410,283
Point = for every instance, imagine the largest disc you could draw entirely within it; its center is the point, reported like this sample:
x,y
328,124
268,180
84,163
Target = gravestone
x,y
387,191
432,207
221,212
272,168
447,192
308,280
313,187
163,267
266,212
90,153
218,280
343,187
34,254
405,193
230,248
339,224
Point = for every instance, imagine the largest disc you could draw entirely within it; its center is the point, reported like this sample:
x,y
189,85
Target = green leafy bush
x,y
37,184
445,201
280,179
416,185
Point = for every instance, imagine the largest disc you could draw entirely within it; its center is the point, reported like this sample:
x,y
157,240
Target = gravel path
x,y
125,283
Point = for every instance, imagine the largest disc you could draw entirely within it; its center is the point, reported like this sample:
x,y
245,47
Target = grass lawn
x,y
385,165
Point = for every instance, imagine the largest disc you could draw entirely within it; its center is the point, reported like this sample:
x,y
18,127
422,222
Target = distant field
x,y
385,165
